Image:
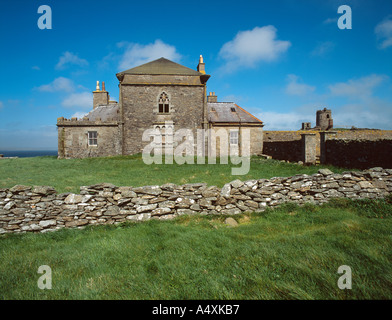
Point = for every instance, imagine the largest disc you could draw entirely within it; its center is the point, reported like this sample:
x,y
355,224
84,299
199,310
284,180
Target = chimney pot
x,y
100,97
201,65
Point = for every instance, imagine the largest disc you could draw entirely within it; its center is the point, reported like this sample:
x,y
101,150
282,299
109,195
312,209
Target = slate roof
x,y
220,112
106,113
162,66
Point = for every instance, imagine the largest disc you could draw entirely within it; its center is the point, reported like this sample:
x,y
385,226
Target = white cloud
x,y
58,84
296,88
68,58
354,88
36,68
383,32
364,110
78,100
73,99
136,54
373,113
323,48
252,46
284,121
353,103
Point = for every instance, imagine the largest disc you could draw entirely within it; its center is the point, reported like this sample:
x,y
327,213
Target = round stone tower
x,y
324,119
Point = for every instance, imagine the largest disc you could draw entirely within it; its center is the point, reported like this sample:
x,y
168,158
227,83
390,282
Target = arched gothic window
x,y
163,106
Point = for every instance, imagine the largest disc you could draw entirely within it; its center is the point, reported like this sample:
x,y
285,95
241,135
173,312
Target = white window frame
x,y
234,137
92,136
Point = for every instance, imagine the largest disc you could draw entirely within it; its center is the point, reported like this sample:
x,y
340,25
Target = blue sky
x,y
281,60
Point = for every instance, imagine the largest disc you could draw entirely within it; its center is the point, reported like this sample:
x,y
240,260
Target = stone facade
x,y
41,209
73,139
252,138
186,110
232,119
153,95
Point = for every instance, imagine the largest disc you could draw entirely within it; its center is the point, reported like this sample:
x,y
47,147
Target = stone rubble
x,y
41,209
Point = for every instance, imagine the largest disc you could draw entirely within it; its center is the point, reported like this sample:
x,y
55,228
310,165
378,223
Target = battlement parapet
x,y
86,122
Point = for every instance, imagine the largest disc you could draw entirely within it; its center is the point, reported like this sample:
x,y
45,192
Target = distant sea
x,y
28,154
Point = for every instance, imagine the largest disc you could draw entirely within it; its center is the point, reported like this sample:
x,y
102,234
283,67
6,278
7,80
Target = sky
x,y
281,60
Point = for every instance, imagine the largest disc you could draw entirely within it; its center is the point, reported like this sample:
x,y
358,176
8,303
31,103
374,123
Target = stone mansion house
x,y
153,95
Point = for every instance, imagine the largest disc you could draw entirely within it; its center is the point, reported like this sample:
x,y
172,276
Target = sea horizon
x,y
28,153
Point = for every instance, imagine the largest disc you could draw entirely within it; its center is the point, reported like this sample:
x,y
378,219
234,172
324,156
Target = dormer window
x,y
163,104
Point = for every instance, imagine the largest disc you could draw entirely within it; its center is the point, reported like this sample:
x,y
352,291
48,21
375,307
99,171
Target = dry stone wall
x,y
41,209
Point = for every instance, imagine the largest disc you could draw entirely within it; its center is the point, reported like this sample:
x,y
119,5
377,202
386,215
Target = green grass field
x,y
287,253
67,175
291,252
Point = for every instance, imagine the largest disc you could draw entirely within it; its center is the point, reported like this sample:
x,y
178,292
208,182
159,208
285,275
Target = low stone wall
x,y
40,209
364,134
359,153
287,145
271,136
284,150
360,148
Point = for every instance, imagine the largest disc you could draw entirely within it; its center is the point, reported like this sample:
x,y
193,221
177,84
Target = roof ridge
x,y
161,66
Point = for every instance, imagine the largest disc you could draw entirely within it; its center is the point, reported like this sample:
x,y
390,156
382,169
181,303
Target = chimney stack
x,y
212,97
100,97
201,67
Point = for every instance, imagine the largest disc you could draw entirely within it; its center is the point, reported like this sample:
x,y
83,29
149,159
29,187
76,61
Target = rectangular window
x,y
234,137
92,138
161,108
